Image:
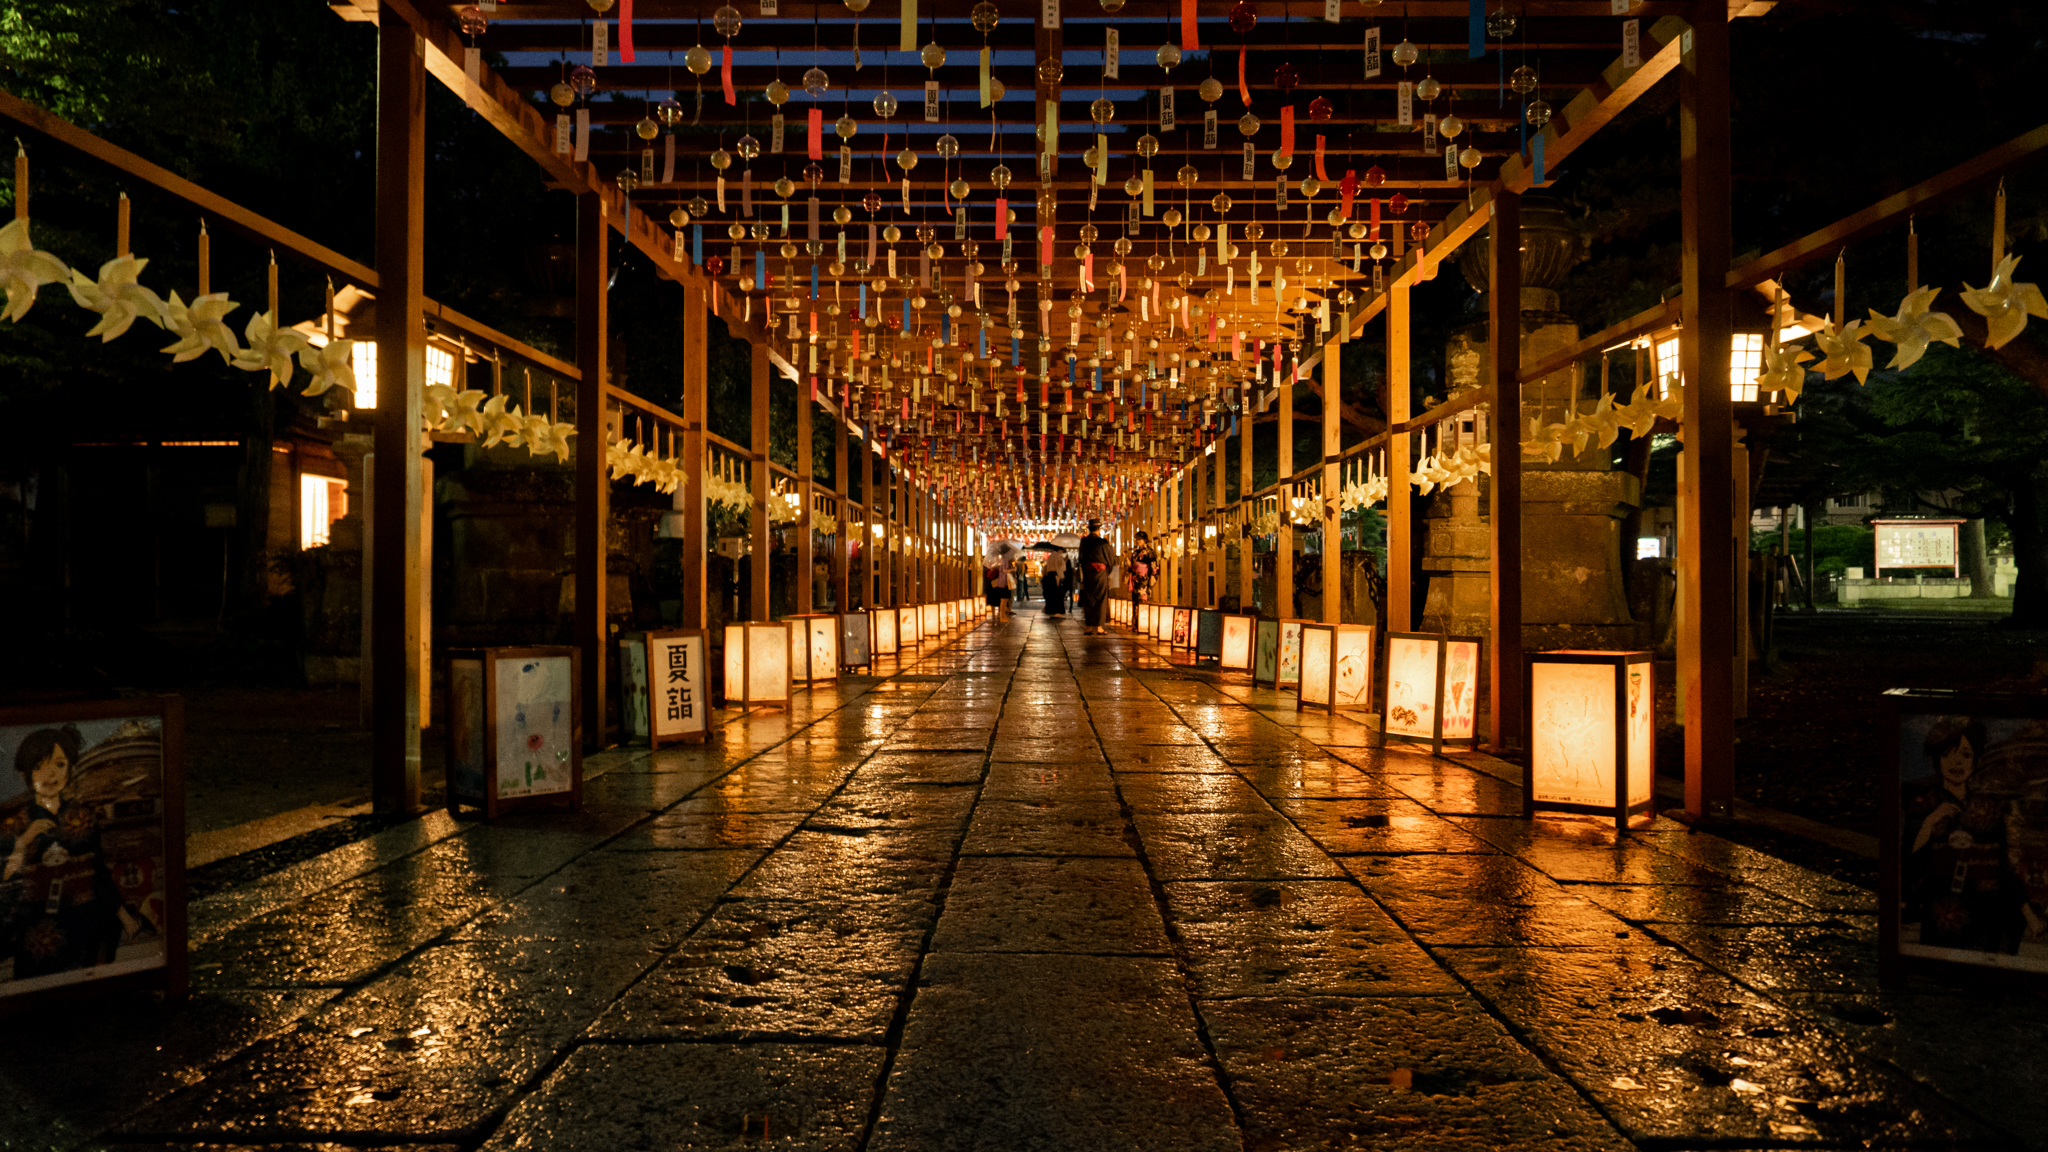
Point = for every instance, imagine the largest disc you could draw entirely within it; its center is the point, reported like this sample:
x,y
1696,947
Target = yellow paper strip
x,y
908,42
984,76
1147,208
1101,158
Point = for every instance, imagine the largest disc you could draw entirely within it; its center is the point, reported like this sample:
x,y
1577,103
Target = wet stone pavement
x,y
1033,890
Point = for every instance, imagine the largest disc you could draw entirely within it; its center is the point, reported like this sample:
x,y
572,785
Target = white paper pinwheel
x,y
1842,352
1375,490
199,327
824,524
497,422
1640,414
1785,369
1914,327
1545,440
2004,303
1672,406
625,459
332,365
23,270
270,349
116,296
533,432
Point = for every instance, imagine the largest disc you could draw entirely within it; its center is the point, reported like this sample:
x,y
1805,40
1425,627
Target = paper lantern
x,y
817,645
949,614
908,632
928,620
1162,622
757,663
662,693
1208,634
1146,624
855,650
1183,628
1432,688
1290,653
1313,685
515,721
1336,665
1266,652
1591,733
1237,641
883,630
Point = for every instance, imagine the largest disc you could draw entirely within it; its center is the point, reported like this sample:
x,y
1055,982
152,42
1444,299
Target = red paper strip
x,y
725,75
626,30
817,134
1375,219
1244,90
1002,219
1045,244
1087,272
1287,130
1276,360
1189,41
1350,189
1320,174
1123,284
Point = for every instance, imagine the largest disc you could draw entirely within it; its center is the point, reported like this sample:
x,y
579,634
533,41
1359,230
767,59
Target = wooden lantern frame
x,y
1442,645
771,632
848,621
1208,624
1250,625
1622,810
485,745
648,645
1261,627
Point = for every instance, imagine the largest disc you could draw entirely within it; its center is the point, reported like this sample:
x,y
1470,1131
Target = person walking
x,y
1053,580
1097,557
996,579
1142,562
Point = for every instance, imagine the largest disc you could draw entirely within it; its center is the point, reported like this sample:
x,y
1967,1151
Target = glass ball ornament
x,y
736,230
1377,251
872,201
885,104
1357,230
1255,231
1282,161
1187,176
679,219
842,215
748,147
984,17
995,90
1210,90
1522,80
934,251
947,146
1405,53
669,112
472,21
1220,202
1122,246
1171,217
697,59
1319,109
906,160
933,55
778,92
1248,125
845,127
1050,70
1186,280
699,207
725,21
1450,126
958,188
784,186
1243,18
721,159
582,80
1468,157
814,172
562,94
1310,186
856,6
1112,6
1539,113
1398,204
647,129
1091,157
747,282
1428,88
1103,110
1000,176
1501,23
1080,251
1336,218
835,269
714,265
892,233
1277,248
816,82
1134,186
1202,232
1089,233
1148,145
788,250
1168,55
1286,77
1375,176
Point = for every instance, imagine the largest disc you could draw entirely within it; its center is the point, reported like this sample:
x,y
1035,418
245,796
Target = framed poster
x,y
515,729
92,848
1964,860
633,686
679,698
1290,653
1917,544
1208,634
1431,685
1183,628
1266,652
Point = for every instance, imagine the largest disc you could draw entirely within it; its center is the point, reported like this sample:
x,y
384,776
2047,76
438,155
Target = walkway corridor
x,y
1032,891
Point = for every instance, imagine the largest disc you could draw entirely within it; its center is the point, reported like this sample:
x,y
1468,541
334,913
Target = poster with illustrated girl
x,y
92,846
1966,868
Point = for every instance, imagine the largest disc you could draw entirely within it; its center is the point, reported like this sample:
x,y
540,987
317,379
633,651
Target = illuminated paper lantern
x,y
1146,623
1290,653
883,630
1266,652
662,692
1591,733
1208,634
1162,622
908,632
1183,628
1317,668
951,614
1337,665
819,642
1237,640
855,651
928,620
515,728
1432,688
757,663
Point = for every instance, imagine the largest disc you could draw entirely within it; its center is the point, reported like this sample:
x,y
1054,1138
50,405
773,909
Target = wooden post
x,y
1246,594
396,669
1221,550
1400,571
841,553
758,441
1504,352
1333,497
689,495
1283,559
593,480
804,487
1706,560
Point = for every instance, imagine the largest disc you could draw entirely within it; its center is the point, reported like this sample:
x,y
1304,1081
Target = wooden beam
x,y
1504,360
397,490
1648,320
1707,550
593,473
1400,497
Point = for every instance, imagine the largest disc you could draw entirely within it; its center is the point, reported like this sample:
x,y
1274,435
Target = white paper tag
x,y
1404,103
473,66
1131,218
1280,192
1251,161
931,101
1684,44
775,126
600,43
846,163
1372,52
1450,161
1619,7
1166,109
1332,10
1429,134
960,221
1051,16
676,254
771,7
582,135
1632,44
488,5
1209,128
1110,54
564,142
647,165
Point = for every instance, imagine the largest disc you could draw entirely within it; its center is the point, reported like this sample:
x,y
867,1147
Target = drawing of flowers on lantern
x,y
536,765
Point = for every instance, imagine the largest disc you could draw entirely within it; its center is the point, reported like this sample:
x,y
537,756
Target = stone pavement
x,y
1034,890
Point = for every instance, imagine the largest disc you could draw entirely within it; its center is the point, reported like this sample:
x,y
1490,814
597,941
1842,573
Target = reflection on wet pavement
x,y
1029,890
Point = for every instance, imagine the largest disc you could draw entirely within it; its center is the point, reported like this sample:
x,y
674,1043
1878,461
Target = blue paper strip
x,y
1476,29
1098,379
945,328
1016,352
697,244
863,301
761,269
814,281
1536,151
906,312
984,344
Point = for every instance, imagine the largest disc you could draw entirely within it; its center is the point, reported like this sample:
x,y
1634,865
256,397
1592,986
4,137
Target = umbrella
x,y
1067,540
1046,546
